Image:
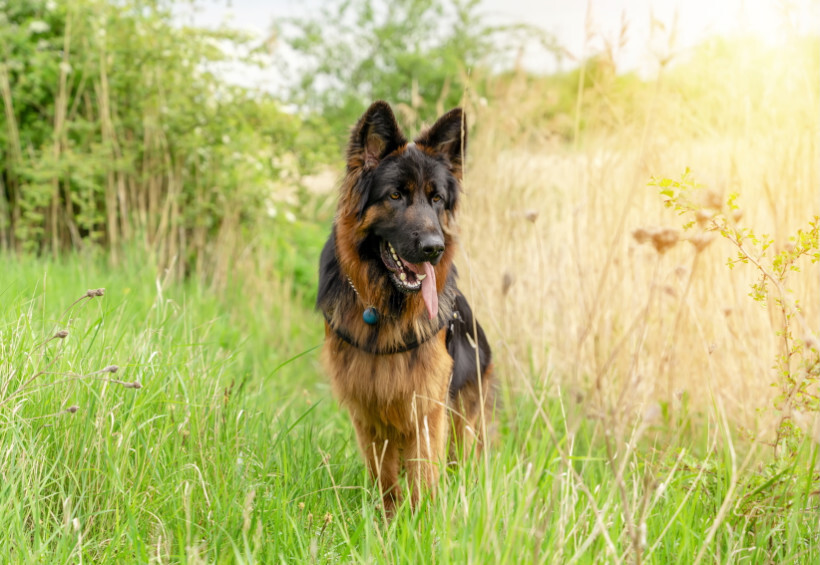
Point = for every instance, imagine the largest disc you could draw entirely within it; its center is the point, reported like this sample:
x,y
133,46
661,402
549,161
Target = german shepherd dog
x,y
403,351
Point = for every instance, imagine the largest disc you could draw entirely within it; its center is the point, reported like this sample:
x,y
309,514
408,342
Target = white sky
x,y
567,20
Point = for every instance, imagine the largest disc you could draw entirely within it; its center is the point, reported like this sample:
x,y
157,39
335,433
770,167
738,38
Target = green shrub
x,y
118,128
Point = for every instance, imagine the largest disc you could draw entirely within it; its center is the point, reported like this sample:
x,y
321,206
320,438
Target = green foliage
x,y
116,128
425,56
797,367
364,50
298,244
421,55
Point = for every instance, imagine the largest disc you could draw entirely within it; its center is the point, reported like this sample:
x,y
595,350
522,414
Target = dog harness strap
x,y
413,344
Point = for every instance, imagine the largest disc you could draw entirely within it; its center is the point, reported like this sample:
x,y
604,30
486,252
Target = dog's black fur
x,y
426,362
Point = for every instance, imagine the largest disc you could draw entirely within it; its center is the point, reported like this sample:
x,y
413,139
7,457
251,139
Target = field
x,y
658,404
227,454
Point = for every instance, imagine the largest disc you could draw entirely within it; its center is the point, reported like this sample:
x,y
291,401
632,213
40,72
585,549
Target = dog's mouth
x,y
404,274
411,277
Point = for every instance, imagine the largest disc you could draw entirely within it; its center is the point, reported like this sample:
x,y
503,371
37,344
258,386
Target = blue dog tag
x,y
370,316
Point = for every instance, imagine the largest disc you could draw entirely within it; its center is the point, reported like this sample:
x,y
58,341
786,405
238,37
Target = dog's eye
x,y
437,198
395,195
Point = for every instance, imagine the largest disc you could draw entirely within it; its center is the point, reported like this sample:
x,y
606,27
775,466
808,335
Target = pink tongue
x,y
428,290
428,286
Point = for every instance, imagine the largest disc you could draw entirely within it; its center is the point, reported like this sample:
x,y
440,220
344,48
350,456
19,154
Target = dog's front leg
x,y
381,456
425,451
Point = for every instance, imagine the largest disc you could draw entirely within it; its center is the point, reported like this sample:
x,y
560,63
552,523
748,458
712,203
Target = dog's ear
x,y
448,137
375,135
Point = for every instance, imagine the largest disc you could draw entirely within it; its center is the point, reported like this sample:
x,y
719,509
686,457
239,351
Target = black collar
x,y
413,343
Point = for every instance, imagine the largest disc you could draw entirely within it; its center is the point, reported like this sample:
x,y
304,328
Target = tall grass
x,y
637,378
570,290
228,453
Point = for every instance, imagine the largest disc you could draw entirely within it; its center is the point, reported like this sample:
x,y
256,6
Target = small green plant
x,y
20,382
797,366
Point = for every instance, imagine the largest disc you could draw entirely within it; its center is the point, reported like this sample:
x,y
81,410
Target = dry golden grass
x,y
568,294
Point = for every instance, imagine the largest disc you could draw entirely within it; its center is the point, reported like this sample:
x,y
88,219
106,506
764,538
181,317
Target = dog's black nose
x,y
432,246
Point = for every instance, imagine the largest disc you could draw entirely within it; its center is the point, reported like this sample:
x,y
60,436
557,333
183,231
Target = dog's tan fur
x,y
400,403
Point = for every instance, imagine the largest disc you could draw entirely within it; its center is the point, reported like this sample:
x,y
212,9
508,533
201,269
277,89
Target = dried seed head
x,y
72,409
703,216
662,239
62,334
507,282
665,239
110,369
713,200
135,384
531,215
701,241
641,235
301,506
328,518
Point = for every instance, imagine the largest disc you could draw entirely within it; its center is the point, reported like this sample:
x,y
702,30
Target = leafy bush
x,y
421,55
116,129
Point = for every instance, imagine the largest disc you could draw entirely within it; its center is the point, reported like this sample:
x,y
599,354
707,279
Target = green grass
x,y
233,450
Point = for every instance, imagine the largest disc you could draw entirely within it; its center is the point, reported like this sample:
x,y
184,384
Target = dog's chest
x,y
388,386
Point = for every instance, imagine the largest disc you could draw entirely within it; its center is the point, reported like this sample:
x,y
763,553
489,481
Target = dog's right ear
x,y
375,135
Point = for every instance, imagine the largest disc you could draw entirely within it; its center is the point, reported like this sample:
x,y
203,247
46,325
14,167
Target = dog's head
x,y
399,199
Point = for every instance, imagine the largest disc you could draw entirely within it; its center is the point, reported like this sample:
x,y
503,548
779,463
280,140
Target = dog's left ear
x,y
448,137
375,135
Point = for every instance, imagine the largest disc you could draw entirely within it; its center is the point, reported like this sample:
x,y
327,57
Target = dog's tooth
x,y
421,276
402,276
